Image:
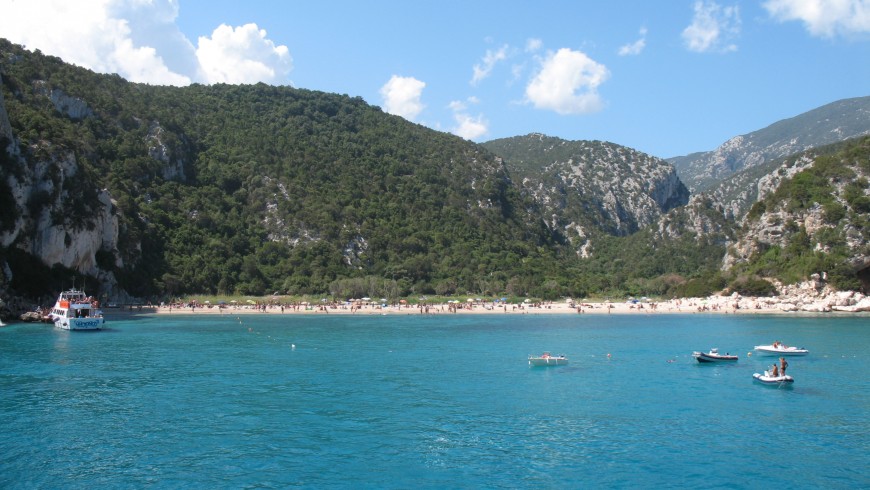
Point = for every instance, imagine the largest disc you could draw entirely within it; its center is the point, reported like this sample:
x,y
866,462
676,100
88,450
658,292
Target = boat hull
x,y
782,381
547,361
769,350
79,323
704,357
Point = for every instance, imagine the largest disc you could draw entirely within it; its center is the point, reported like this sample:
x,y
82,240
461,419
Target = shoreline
x,y
719,306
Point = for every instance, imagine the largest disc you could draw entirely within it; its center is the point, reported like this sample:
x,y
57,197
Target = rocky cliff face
x,y
825,125
61,215
737,193
826,207
586,187
702,218
5,127
71,107
52,226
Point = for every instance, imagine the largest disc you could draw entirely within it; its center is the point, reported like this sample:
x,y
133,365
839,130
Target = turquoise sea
x,y
444,401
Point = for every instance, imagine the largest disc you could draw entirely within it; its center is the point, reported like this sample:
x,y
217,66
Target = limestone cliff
x,y
828,124
812,205
5,127
54,222
60,214
586,187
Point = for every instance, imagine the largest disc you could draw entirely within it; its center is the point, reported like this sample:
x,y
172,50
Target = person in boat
x,y
782,365
775,371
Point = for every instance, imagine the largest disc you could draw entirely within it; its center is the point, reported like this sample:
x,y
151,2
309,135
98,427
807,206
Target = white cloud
x,y
636,47
457,105
139,40
242,55
533,44
141,65
713,28
467,126
483,69
568,83
402,96
824,18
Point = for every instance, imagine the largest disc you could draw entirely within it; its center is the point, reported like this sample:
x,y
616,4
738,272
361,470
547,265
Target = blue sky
x,y
667,78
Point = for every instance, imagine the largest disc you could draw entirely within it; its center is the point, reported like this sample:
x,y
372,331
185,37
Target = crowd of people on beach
x,y
355,306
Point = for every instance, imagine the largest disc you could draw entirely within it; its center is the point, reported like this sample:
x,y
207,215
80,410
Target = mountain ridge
x,y
830,123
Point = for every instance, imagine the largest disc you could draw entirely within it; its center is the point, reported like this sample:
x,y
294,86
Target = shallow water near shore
x,y
444,401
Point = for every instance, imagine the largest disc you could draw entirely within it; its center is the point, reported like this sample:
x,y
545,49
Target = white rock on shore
x,y
862,305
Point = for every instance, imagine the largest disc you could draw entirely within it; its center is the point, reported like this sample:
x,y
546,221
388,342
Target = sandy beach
x,y
812,296
808,297
476,308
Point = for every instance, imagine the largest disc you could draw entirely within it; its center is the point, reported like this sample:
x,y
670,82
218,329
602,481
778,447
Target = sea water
x,y
443,401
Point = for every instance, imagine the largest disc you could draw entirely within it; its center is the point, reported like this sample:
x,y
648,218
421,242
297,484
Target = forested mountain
x,y
251,189
828,124
154,192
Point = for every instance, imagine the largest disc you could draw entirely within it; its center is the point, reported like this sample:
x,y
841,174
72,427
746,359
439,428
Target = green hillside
x,y
273,188
154,192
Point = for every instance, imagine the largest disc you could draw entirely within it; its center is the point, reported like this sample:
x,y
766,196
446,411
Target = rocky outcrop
x,y
71,107
737,193
5,126
702,218
812,296
57,222
160,150
782,221
828,124
586,186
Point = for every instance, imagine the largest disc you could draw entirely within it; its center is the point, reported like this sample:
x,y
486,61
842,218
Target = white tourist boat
x,y
767,379
713,356
546,359
74,310
777,349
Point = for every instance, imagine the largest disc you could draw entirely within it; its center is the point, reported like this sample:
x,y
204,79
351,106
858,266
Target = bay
x,y
444,401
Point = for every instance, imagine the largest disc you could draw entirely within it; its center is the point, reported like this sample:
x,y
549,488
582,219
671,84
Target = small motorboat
x,y
546,359
777,349
714,356
768,379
